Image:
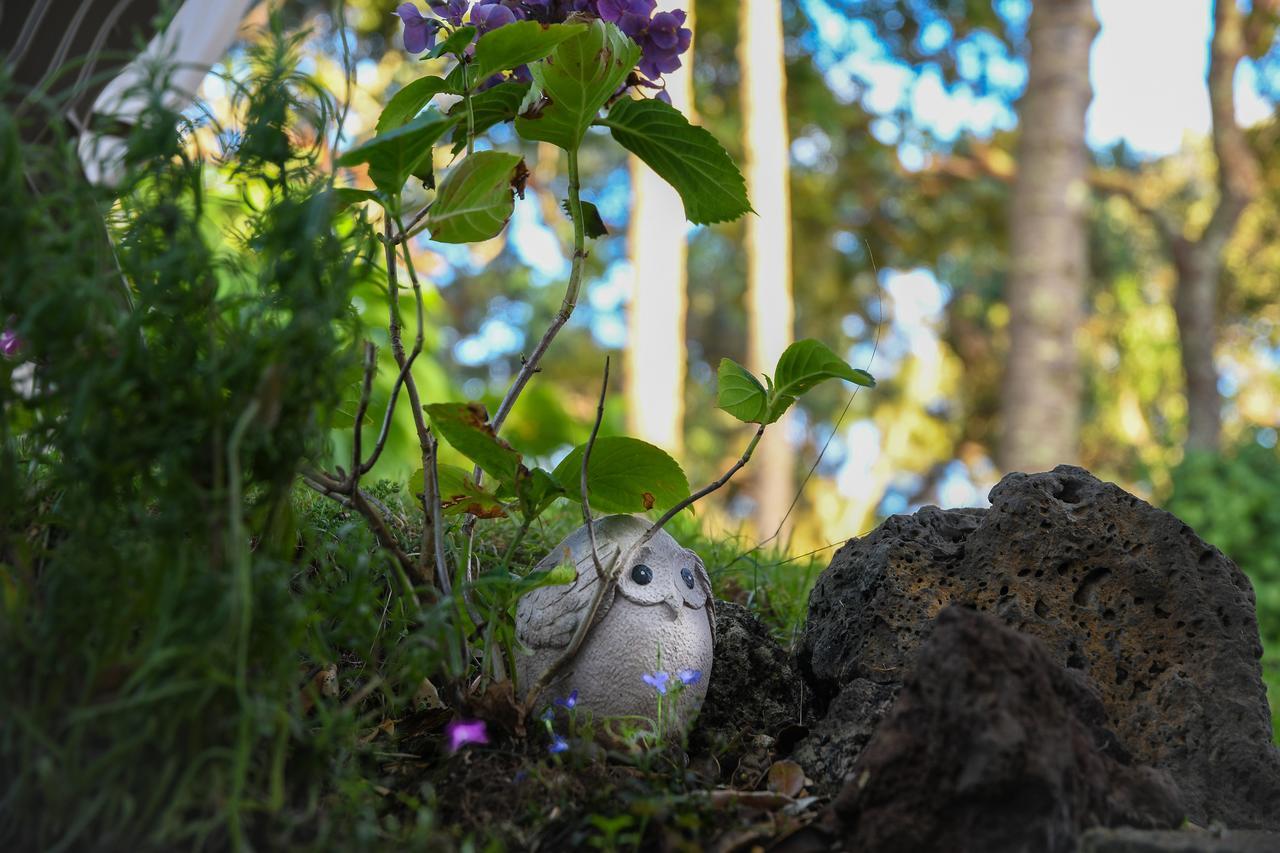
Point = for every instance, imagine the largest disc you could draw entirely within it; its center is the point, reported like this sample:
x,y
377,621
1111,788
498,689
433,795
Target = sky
x,y
1147,68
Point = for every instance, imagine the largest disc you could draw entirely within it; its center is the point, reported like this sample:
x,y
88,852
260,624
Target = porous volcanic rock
x,y
1130,840
992,746
753,688
1160,623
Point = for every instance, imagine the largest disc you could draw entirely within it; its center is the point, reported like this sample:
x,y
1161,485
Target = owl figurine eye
x,y
641,574
686,574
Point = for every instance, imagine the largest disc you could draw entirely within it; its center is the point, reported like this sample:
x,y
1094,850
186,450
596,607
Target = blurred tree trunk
x,y
1199,263
1048,249
656,355
770,311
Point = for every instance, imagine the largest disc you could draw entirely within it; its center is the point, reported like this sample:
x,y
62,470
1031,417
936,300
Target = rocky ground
x,y
1070,669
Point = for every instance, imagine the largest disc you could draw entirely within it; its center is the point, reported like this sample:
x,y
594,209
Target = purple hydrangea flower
x,y
657,680
689,676
558,745
662,43
452,11
570,701
462,732
490,14
10,343
419,31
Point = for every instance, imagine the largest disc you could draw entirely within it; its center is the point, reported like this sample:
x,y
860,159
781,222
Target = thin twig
x,y
406,233
605,579
704,491
875,348
586,459
370,366
433,525
357,500
405,362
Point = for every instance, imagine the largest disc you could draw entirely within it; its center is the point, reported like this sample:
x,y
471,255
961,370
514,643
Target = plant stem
x,y
432,531
466,99
567,305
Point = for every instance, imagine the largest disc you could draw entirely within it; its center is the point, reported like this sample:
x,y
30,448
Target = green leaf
x,y
490,107
684,155
455,44
409,101
625,475
466,427
536,490
592,224
739,392
574,82
344,197
459,493
517,44
475,199
803,365
394,155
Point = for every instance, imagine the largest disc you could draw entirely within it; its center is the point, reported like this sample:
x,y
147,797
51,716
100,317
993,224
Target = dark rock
x,y
835,740
753,687
1128,840
1159,622
992,746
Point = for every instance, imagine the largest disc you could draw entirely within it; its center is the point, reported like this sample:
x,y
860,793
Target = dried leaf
x,y
786,778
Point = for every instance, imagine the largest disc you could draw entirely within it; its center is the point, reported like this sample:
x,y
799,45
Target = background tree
x,y
770,312
1048,253
658,250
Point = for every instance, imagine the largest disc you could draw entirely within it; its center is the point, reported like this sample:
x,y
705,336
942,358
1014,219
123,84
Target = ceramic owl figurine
x,y
661,603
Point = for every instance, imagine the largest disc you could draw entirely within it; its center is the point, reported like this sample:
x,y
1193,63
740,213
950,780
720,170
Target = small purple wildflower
x,y
548,715
657,680
10,343
570,701
558,745
689,676
462,732
419,30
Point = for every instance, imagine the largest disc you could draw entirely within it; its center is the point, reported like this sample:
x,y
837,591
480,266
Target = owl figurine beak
x,y
673,601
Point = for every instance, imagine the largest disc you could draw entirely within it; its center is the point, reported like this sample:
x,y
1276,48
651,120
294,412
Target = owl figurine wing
x,y
704,583
549,615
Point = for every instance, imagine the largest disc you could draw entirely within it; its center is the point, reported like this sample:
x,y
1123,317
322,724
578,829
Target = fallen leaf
x,y
786,778
427,698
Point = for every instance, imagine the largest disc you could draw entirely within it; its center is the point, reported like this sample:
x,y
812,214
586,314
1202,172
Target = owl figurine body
x,y
661,607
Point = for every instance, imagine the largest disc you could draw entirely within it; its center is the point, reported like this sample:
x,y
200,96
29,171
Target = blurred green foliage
x,y
159,684
1231,501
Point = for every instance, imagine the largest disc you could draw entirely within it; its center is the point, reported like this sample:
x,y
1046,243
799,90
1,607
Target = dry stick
x,y
605,579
